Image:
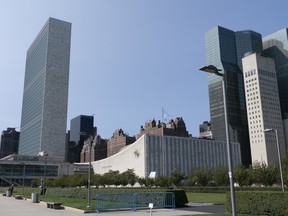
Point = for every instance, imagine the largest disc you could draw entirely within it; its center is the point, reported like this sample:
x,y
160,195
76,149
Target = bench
x,y
54,205
19,197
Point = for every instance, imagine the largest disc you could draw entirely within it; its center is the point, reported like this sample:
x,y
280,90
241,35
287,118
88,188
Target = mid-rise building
x,y
118,141
165,154
45,96
175,127
9,142
263,108
98,150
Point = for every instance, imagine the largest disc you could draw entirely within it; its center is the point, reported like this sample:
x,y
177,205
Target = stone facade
x,y
98,151
118,141
175,127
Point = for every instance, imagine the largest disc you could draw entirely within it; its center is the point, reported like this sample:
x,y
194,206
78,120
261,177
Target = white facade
x,y
263,108
164,154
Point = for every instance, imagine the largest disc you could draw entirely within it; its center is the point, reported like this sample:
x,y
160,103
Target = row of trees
x,y
261,174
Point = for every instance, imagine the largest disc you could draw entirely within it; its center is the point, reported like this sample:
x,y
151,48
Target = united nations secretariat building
x,y
164,154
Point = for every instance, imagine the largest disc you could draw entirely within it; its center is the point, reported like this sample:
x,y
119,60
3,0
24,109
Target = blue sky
x,y
129,58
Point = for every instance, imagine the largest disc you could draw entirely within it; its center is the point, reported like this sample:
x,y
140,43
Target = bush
x,y
259,203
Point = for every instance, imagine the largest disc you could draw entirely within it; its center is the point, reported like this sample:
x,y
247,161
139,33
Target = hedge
x,y
259,203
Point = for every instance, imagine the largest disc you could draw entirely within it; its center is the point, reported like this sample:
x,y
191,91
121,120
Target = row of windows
x,y
250,73
267,73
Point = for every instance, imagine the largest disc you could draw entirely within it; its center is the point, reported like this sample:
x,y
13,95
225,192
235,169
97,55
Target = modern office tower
x,y
276,46
225,49
9,142
45,97
263,108
81,128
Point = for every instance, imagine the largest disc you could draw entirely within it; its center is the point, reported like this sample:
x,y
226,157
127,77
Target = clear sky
x,y
129,58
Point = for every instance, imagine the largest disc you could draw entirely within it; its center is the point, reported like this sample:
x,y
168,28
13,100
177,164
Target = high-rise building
x,y
225,49
276,47
81,128
45,97
263,107
9,142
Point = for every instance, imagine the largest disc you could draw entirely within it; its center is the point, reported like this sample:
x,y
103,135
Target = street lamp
x,y
89,141
23,180
212,69
279,155
42,154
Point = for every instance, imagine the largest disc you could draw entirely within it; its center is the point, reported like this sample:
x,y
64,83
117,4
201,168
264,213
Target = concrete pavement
x,y
12,207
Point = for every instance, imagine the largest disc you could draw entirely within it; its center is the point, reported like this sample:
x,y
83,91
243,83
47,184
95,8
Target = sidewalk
x,y
12,207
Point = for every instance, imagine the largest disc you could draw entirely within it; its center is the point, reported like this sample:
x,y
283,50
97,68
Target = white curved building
x,y
164,154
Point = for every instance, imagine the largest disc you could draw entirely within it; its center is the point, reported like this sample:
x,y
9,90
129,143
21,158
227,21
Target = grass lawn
x,y
216,198
222,214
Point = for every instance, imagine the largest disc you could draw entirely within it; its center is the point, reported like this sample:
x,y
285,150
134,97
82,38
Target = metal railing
x,y
134,201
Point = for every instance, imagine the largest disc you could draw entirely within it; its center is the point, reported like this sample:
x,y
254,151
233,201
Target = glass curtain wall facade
x,y
81,128
276,47
225,49
45,97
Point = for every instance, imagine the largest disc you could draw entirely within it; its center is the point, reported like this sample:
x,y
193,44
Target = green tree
x,y
111,178
242,175
221,176
162,181
202,176
265,174
176,177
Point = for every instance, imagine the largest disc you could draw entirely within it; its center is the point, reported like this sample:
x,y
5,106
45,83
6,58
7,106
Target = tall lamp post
x,y
279,155
212,69
89,171
89,140
23,180
42,154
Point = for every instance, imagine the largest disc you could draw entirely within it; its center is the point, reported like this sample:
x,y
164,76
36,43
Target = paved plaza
x,y
12,207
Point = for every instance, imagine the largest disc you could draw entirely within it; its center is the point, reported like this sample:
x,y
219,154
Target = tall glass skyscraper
x,y
225,49
276,47
45,97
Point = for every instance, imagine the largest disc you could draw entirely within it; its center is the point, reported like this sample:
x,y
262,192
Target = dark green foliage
x,y
264,174
242,176
202,176
260,203
162,181
221,176
180,197
176,177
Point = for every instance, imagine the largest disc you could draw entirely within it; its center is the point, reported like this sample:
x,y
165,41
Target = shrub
x,y
259,203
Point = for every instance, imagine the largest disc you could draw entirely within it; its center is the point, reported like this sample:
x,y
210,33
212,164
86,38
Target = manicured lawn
x,y
70,202
216,198
222,214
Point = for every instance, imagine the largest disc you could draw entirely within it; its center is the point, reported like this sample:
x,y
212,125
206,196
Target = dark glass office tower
x,y
81,128
276,47
45,95
9,142
225,49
